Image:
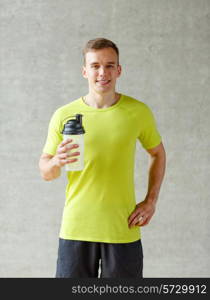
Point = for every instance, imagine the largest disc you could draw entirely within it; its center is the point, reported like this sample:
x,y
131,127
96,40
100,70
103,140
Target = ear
x,y
119,70
84,72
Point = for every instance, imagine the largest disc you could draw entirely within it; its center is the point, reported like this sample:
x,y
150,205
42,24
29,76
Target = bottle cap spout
x,y
79,118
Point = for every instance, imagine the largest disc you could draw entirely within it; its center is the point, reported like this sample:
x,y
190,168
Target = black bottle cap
x,y
74,126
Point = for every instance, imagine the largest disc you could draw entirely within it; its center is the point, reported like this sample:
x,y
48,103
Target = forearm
x,y
49,169
146,208
155,177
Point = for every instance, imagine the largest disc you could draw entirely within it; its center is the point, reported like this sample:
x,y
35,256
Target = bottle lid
x,y
74,126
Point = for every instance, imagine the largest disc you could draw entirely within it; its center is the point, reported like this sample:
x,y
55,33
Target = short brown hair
x,y
99,43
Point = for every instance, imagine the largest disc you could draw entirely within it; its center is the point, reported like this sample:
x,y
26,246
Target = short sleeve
x,y
54,137
149,136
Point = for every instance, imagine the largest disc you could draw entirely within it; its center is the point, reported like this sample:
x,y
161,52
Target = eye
x,y
110,66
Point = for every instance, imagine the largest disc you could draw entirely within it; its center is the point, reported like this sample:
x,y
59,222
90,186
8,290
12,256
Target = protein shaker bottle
x,y
74,129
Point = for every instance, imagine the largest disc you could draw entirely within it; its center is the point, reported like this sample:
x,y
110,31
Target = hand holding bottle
x,y
64,155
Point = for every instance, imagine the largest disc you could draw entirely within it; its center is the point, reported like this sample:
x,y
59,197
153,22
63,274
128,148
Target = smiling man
x,y
101,220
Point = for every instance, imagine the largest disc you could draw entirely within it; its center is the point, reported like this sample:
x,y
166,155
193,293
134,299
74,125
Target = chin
x,y
104,88
103,91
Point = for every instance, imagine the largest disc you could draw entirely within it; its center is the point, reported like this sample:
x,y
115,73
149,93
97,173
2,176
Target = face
x,y
101,70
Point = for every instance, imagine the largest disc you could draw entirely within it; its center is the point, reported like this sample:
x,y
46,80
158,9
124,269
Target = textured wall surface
x,y
164,52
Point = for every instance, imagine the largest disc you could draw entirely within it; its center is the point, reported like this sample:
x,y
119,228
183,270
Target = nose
x,y
102,71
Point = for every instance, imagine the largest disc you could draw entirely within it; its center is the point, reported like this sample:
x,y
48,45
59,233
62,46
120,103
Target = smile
x,y
103,82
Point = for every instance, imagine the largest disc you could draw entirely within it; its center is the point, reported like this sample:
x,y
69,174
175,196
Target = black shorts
x,y
81,259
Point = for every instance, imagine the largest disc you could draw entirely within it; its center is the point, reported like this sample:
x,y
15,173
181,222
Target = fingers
x,y
67,155
141,221
67,161
64,156
138,220
132,219
145,221
64,142
65,146
142,214
63,162
132,216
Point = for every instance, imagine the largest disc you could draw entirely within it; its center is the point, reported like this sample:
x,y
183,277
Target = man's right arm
x,y
50,166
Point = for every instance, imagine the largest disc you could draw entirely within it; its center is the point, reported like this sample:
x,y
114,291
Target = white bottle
x,y
73,129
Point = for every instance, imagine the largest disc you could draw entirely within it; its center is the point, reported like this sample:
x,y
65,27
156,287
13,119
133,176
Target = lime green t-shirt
x,y
101,197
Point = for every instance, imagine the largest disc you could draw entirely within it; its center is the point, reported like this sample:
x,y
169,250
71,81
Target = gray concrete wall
x,y
164,51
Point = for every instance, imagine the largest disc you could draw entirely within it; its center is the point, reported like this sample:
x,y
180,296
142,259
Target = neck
x,y
101,100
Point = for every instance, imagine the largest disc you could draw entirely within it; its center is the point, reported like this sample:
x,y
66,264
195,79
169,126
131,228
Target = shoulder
x,y
64,112
71,106
137,104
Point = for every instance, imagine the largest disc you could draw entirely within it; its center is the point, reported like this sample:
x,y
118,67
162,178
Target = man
x,y
101,219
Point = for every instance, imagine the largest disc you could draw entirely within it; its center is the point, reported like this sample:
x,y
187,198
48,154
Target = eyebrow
x,y
109,62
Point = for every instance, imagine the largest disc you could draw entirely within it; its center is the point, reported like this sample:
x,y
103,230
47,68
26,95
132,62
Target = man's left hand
x,y
142,214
